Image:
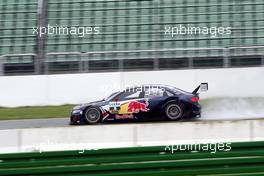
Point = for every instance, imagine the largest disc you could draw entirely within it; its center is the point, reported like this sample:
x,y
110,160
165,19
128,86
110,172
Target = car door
x,y
129,102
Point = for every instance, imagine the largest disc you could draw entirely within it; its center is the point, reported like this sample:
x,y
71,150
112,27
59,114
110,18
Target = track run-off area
x,y
223,120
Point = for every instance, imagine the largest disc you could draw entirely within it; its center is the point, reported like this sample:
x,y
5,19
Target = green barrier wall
x,y
244,158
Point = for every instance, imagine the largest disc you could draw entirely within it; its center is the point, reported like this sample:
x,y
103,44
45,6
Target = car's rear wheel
x,y
92,115
174,111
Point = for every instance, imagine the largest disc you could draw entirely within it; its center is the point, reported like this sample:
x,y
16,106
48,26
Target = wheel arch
x,y
168,101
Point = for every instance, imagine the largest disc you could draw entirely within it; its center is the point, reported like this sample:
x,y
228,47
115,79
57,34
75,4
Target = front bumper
x,y
76,117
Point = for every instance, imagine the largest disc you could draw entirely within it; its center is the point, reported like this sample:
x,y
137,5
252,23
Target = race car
x,y
141,103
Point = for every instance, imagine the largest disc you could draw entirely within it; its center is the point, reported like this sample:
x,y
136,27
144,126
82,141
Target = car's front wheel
x,y
174,111
92,115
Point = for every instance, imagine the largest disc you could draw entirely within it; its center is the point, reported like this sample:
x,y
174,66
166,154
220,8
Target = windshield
x,y
111,96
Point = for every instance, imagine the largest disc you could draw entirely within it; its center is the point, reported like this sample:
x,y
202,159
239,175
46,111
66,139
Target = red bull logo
x,y
135,107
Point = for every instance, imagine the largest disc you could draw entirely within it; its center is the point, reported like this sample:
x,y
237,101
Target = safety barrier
x,y
243,157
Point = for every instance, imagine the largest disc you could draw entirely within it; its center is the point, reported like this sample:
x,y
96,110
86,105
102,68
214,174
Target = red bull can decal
x,y
136,106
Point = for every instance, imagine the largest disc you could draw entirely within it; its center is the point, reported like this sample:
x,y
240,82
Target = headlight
x,y
77,111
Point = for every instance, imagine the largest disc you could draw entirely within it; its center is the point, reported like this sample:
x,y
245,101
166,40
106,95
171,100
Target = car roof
x,y
173,88
149,85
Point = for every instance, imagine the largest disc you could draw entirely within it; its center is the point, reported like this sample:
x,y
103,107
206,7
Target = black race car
x,y
141,103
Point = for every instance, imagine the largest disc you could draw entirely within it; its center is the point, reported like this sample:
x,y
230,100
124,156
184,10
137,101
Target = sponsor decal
x,y
124,116
136,106
114,107
128,107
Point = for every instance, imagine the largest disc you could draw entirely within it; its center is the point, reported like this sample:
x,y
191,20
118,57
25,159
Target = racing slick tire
x,y
174,111
92,115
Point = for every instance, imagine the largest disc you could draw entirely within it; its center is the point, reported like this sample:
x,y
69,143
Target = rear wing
x,y
203,87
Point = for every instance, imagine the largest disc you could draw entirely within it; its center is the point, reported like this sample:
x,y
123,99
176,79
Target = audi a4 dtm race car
x,y
141,103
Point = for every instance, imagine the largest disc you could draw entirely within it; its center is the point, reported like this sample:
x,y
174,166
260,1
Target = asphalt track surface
x,y
33,123
63,122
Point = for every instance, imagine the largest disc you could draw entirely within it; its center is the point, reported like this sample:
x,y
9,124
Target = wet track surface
x,y
33,123
64,122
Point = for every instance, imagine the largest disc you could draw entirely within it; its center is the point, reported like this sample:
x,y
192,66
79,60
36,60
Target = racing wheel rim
x,y
92,115
173,111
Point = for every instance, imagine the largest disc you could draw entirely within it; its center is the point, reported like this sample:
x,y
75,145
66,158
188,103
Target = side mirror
x,y
204,87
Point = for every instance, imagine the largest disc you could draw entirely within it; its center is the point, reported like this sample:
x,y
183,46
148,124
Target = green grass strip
x,y
35,112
